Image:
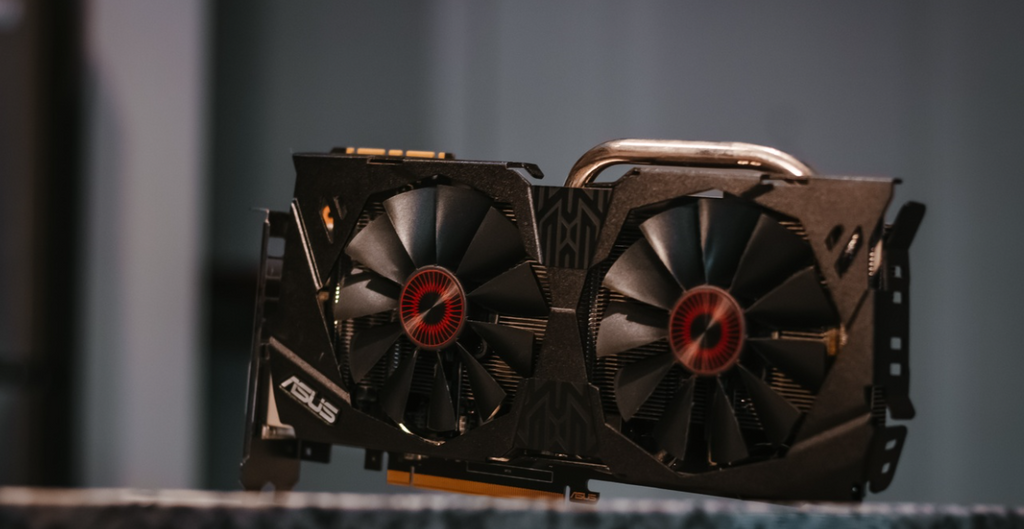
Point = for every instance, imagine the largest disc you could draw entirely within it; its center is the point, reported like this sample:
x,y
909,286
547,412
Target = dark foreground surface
x,y
116,508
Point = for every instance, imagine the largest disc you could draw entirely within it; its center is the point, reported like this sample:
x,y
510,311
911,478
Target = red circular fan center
x,y
432,308
706,330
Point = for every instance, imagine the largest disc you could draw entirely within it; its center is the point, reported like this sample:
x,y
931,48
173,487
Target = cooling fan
x,y
438,266
726,289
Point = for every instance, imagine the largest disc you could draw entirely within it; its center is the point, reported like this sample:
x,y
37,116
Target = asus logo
x,y
584,497
299,391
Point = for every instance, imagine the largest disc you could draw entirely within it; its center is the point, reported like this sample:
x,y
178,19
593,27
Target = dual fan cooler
x,y
718,320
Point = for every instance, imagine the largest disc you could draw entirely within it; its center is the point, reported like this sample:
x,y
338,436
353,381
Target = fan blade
x,y
777,415
629,325
441,414
725,440
514,346
495,247
486,391
515,292
378,247
395,393
802,360
772,255
369,346
635,382
639,274
675,237
673,430
413,215
365,294
726,225
799,303
459,213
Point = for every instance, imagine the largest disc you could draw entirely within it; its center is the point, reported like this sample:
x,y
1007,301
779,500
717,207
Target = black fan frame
x,y
426,363
639,428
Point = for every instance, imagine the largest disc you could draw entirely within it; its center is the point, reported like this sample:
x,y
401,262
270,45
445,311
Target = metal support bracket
x,y
892,312
267,461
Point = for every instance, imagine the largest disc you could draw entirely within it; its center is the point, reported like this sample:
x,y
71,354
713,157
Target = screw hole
x,y
328,219
833,236
849,251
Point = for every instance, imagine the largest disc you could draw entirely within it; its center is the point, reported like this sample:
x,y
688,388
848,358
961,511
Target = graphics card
x,y
719,320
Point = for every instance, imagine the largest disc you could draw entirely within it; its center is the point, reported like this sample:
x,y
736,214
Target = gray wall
x,y
144,210
929,92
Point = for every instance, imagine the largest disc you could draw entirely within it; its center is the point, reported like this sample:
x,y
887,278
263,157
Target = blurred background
x,y
137,137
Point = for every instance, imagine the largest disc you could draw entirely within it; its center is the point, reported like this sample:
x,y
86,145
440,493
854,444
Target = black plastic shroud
x,y
558,425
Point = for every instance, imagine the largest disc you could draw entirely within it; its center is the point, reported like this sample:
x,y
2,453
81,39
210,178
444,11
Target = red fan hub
x,y
432,308
706,330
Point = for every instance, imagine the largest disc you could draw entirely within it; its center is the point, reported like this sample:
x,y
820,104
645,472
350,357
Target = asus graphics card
x,y
718,320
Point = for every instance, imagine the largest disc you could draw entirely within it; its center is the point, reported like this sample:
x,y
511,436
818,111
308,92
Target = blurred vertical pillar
x,y
39,69
144,134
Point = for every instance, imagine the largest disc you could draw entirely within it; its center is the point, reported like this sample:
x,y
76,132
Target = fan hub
x,y
432,308
706,330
